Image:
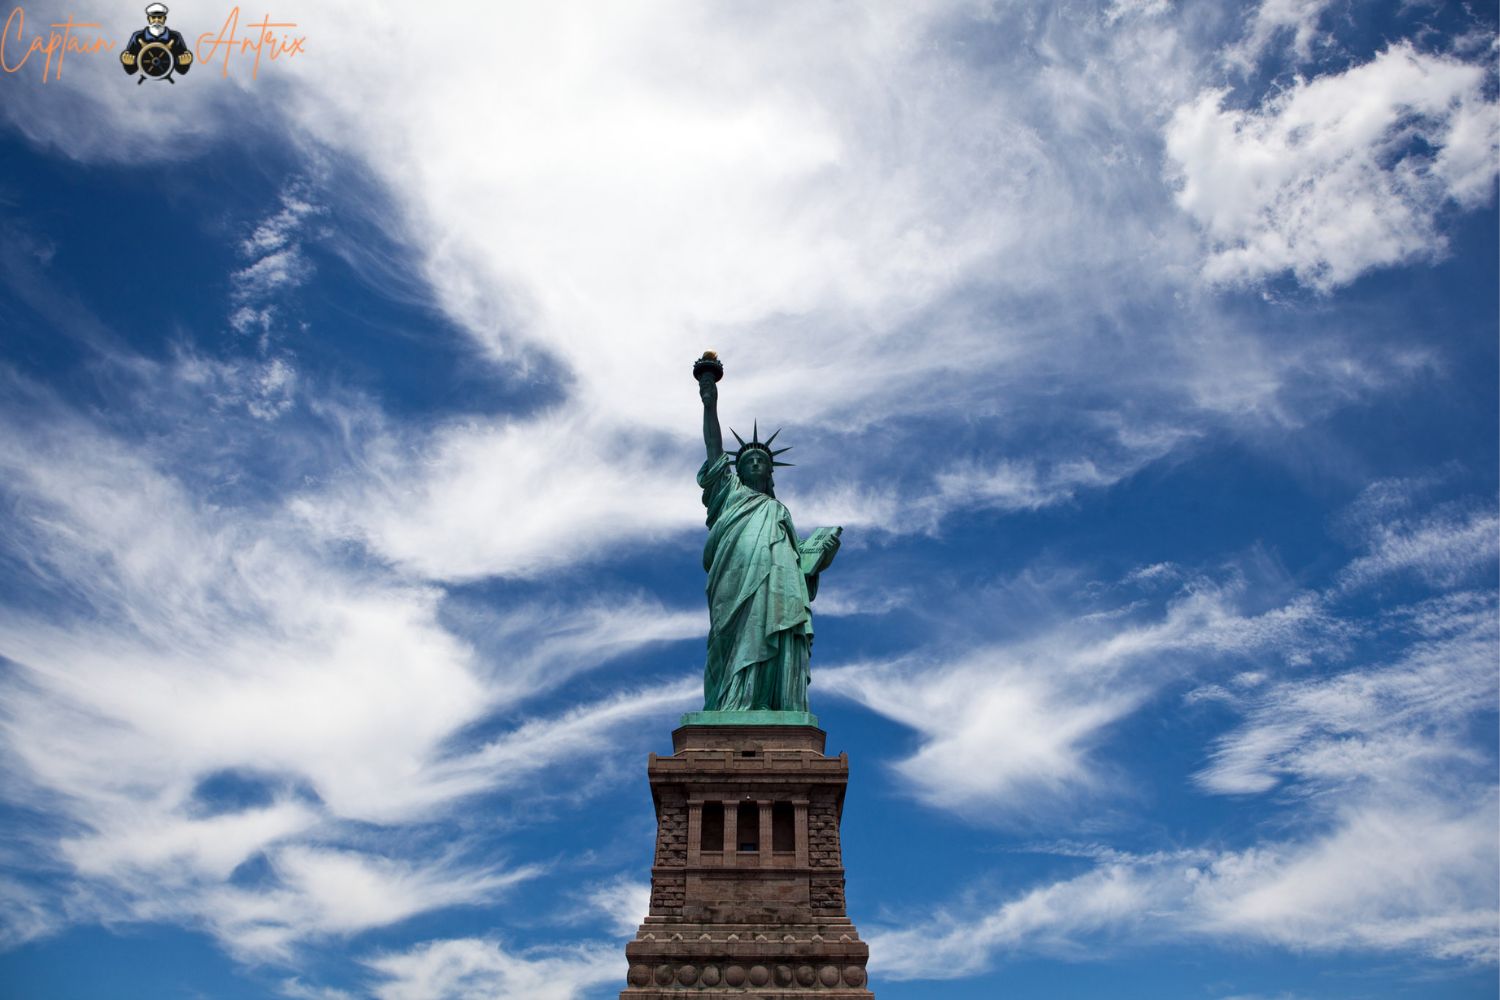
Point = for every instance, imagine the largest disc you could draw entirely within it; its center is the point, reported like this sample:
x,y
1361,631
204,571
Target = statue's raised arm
x,y
761,575
708,370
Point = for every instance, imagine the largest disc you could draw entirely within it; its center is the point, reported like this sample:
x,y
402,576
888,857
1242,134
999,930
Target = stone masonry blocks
x,y
747,888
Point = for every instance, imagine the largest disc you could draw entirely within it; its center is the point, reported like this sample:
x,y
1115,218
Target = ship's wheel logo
x,y
156,52
155,60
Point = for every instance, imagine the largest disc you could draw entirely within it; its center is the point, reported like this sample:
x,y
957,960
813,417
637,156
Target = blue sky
x,y
1146,351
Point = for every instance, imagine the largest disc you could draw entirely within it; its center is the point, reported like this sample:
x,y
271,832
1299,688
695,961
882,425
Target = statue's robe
x,y
760,630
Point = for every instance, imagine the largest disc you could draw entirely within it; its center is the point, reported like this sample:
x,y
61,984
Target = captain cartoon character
x,y
156,51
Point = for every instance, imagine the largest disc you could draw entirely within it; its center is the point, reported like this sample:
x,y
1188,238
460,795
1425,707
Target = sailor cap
x,y
156,8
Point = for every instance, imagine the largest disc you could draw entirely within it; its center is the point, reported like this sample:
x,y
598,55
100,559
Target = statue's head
x,y
754,467
755,461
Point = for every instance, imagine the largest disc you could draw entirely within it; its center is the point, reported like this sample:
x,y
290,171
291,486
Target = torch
x,y
708,366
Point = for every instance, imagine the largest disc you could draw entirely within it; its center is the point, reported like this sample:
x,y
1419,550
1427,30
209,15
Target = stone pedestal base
x,y
713,969
747,890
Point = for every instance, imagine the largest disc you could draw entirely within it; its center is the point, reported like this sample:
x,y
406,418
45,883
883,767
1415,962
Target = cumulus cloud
x,y
1338,174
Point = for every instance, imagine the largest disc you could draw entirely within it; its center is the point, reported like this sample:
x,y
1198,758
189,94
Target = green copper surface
x,y
761,578
760,717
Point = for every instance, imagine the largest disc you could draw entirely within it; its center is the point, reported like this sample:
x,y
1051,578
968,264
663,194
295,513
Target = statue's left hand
x,y
830,548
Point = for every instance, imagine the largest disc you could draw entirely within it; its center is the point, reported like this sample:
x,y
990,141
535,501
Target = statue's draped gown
x,y
760,630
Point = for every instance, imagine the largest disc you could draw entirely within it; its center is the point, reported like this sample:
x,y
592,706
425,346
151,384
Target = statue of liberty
x,y
761,576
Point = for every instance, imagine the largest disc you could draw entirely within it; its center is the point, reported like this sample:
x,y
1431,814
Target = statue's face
x,y
755,470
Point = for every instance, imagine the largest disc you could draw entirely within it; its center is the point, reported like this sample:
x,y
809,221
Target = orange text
x,y
55,43
264,37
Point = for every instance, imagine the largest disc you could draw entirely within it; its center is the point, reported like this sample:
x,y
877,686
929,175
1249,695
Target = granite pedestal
x,y
747,888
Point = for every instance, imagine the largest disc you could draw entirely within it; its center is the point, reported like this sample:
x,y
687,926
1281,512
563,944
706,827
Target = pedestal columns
x,y
762,923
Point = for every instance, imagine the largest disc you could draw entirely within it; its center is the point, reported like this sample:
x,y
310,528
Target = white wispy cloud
x,y
321,893
266,387
893,232
1394,844
547,493
1389,724
175,642
1414,876
298,990
31,912
1038,707
271,272
855,598
888,201
1006,485
1441,548
537,744
625,901
480,969
275,264
536,646
635,222
1136,8
1273,20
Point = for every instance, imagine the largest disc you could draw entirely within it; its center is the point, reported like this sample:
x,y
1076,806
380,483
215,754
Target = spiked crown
x,y
756,444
